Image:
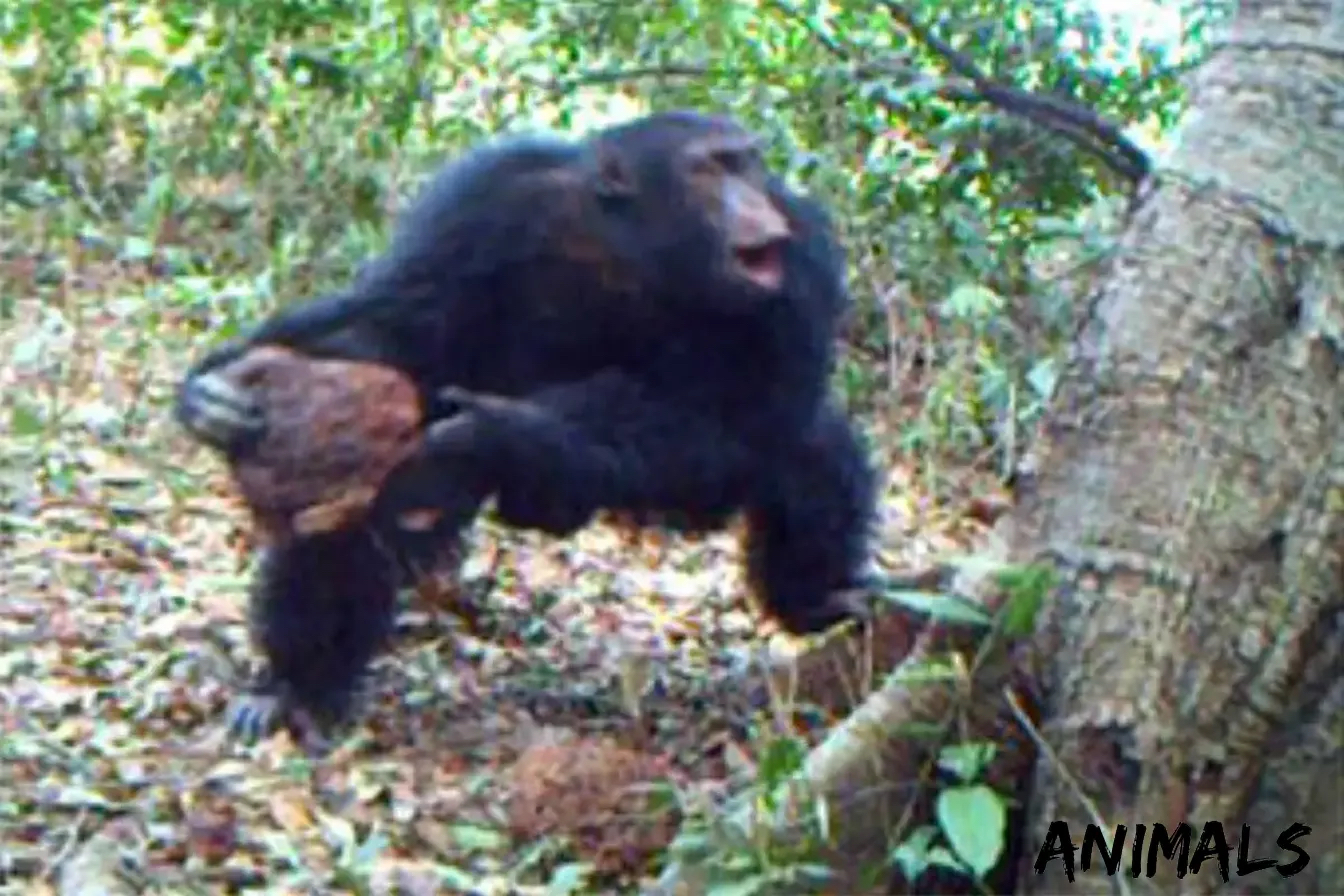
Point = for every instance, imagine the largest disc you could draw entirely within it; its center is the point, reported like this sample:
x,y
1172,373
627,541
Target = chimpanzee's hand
x,y
446,481
215,405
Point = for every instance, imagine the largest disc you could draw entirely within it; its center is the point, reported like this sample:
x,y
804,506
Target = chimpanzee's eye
x,y
733,161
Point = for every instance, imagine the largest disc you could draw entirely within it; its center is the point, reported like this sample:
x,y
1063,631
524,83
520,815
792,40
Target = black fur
x,y
321,609
319,639
600,354
804,537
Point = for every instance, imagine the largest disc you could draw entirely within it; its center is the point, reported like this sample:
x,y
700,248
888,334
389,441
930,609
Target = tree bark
x,y
1191,483
1189,492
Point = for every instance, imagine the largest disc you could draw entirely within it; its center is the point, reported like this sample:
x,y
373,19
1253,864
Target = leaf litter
x,y
543,716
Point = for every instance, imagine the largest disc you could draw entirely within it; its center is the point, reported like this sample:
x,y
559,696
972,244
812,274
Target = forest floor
x,y
487,753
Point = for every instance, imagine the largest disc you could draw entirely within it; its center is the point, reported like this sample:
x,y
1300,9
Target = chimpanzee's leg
x,y
809,525
322,607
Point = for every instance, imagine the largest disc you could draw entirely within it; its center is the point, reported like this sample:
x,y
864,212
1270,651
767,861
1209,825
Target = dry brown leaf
x,y
123,633
291,811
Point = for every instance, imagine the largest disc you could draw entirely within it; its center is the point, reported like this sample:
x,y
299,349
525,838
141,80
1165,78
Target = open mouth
x,y
762,265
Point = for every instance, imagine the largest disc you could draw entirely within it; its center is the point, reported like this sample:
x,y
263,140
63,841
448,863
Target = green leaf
x,y
473,837
135,248
24,421
1027,587
568,878
912,854
1042,377
967,760
748,887
975,821
373,846
458,879
971,302
781,758
945,607
143,57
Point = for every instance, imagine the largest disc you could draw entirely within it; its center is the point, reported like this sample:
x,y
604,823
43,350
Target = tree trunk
x,y
1190,485
1188,488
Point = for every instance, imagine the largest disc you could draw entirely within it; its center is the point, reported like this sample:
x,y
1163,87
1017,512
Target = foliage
x,y
221,156
972,820
140,109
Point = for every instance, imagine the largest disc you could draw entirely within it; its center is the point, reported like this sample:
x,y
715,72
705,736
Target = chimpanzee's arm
x,y
559,455
224,414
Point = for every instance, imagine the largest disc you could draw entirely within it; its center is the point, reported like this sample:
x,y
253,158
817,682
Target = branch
x,y
506,81
1081,125
611,76
870,776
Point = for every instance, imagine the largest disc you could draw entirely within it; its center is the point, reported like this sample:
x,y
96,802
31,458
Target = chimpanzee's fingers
x,y
219,413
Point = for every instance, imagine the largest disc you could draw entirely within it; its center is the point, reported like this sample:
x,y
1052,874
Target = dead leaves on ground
x,y
122,630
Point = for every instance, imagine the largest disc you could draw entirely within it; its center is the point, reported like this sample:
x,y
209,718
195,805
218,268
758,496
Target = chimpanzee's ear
x,y
610,172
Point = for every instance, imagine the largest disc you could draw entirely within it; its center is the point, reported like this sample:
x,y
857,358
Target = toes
x,y
309,733
855,604
831,610
253,717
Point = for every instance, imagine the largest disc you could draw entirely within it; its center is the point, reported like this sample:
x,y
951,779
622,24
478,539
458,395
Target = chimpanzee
x,y
640,321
